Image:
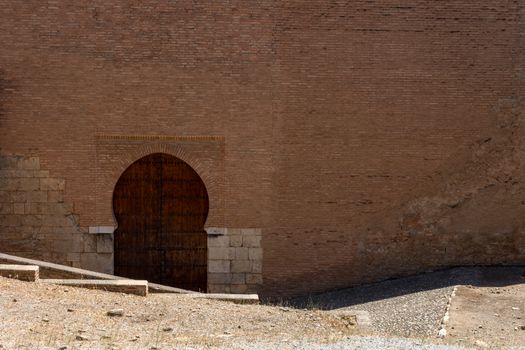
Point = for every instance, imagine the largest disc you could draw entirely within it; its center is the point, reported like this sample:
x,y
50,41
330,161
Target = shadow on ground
x,y
494,276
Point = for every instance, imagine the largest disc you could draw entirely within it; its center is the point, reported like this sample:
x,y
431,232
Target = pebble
x,y
481,344
115,312
81,337
167,329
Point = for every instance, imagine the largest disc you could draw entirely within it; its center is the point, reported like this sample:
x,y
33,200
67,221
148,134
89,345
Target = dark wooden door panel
x,y
161,205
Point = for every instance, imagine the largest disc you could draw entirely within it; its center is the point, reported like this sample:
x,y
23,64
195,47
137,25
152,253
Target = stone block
x,y
20,184
31,163
238,288
219,288
234,231
101,229
251,231
89,243
257,266
55,196
18,208
238,278
18,245
29,184
10,184
51,184
97,262
20,272
45,208
9,173
6,208
241,253
23,173
73,257
215,231
104,243
7,162
254,278
31,220
240,266
219,278
236,241
36,196
66,245
219,241
253,241
216,253
11,220
255,253
137,287
55,220
40,173
5,235
221,266
234,298
252,288
57,231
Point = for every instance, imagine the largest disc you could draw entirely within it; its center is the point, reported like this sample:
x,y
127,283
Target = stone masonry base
x,y
234,260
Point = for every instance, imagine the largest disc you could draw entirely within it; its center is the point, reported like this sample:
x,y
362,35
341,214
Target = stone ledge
x,y
137,287
235,298
21,272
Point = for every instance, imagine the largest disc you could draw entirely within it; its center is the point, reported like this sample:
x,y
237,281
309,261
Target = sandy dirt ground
x,y
35,316
488,317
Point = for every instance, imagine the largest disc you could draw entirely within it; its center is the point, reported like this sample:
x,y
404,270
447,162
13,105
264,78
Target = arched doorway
x,y
161,205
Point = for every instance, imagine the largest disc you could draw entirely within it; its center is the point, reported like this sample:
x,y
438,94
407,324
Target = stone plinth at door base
x,y
234,260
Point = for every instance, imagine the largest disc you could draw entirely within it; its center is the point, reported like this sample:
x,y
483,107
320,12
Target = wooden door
x,y
161,205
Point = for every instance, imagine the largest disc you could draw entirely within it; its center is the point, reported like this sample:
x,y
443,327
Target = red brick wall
x,y
354,132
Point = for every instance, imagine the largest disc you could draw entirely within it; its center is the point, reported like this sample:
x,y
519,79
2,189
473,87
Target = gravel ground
x,y
351,343
408,307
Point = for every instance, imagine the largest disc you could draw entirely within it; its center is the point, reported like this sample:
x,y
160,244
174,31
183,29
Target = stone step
x,y
137,287
55,271
21,272
235,298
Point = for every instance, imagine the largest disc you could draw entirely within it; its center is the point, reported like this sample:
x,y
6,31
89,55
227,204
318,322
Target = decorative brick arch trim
x,y
204,154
